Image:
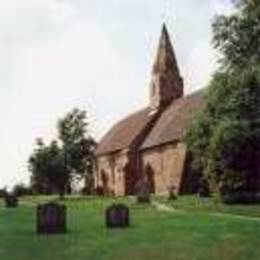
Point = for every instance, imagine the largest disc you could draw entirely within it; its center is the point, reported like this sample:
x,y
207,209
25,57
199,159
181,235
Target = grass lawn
x,y
192,231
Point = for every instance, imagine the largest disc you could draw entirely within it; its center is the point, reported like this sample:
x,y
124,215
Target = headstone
x,y
172,192
11,201
204,191
99,191
143,191
51,218
241,197
117,216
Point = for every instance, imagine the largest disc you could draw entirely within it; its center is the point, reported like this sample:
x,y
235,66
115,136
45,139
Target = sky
x,y
95,55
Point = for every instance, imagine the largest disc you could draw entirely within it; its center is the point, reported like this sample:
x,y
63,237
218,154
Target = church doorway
x,y
149,176
104,179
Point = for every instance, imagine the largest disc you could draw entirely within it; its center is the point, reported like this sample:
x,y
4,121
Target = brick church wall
x,y
110,173
166,163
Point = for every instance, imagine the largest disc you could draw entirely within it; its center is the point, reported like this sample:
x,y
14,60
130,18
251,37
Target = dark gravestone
x,y
117,216
172,192
143,191
51,218
241,197
11,201
204,191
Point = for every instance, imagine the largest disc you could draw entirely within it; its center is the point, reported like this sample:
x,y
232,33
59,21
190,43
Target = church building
x,y
149,143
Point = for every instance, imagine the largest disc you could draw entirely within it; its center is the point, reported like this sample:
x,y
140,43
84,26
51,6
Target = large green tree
x,y
48,167
224,139
78,145
78,148
237,36
56,165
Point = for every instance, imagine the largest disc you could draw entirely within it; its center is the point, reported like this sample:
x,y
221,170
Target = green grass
x,y
210,205
190,232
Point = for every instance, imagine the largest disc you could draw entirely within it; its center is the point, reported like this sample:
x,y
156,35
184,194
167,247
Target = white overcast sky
x,y
93,54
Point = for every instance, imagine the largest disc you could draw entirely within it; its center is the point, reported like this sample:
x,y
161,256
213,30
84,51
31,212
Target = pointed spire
x,y
165,59
166,82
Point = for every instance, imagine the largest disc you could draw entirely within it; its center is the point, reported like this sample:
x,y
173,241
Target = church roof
x,y
170,126
165,124
174,121
124,133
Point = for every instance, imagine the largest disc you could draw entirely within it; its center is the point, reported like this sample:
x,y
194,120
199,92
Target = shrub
x,y
243,197
2,193
172,193
22,190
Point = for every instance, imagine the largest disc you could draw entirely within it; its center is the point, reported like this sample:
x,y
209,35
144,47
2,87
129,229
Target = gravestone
x,y
11,201
117,216
51,218
143,191
172,192
204,191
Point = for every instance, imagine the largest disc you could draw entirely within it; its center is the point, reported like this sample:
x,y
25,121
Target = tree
x,y
224,138
49,171
20,189
54,166
37,161
237,36
77,147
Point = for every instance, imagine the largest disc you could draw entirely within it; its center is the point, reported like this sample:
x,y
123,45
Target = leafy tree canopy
x,y
78,148
224,138
54,166
237,36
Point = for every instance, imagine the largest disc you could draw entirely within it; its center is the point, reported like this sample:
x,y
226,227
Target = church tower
x,y
166,83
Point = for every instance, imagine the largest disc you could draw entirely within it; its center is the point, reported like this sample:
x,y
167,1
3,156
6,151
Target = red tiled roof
x,y
174,121
170,126
123,134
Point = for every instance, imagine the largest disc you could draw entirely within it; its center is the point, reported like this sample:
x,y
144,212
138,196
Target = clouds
x,y
222,6
198,72
60,60
23,23
96,55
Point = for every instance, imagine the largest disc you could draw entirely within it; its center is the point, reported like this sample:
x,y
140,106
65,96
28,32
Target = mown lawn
x,y
195,204
191,231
